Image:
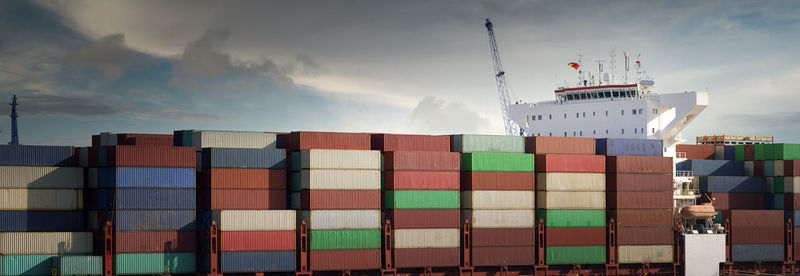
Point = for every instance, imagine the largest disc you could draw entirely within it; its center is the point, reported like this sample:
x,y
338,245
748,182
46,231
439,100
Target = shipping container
x,y
12,265
730,153
586,182
757,252
258,241
559,145
497,200
749,152
416,219
148,156
340,159
405,142
303,140
791,184
344,239
427,238
524,181
758,168
241,199
749,168
728,201
499,218
738,152
338,260
154,263
636,147
426,257
777,167
757,235
639,200
341,219
570,200
321,179
140,177
731,184
696,152
639,164
575,236
223,178
503,256
339,199
27,177
488,143
91,178
649,235
497,162
257,262
565,255
45,243
77,265
41,221
231,139
244,158
53,156
421,180
251,220
642,217
154,242
502,237
713,167
421,199
636,182
421,161
645,254
791,201
791,167
146,199
162,220
139,139
41,199
719,153
754,218
784,152
758,152
572,218
570,163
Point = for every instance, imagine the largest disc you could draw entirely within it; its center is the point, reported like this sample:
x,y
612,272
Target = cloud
x,y
40,103
305,65
109,54
432,115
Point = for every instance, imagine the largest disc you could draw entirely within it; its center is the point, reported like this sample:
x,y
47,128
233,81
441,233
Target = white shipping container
x,y
777,168
500,218
427,238
581,182
234,139
791,184
340,179
28,177
41,199
749,168
340,159
640,254
255,220
341,219
498,200
45,243
570,200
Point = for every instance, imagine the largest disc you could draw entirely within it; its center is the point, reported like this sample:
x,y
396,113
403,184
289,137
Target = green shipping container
x,y
572,218
497,162
488,143
769,168
294,161
777,202
778,185
294,182
345,239
738,152
27,264
155,263
758,151
422,199
562,255
78,265
769,152
786,151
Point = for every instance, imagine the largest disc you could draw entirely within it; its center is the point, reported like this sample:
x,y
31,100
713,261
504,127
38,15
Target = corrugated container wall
x,y
488,143
559,145
56,156
401,142
635,147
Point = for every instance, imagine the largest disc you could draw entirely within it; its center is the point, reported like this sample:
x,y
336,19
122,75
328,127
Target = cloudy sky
x,y
82,67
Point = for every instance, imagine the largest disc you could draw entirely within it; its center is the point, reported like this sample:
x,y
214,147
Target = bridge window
x,y
565,115
550,116
606,113
593,113
641,130
633,111
540,118
623,131
583,96
601,95
565,134
594,132
569,97
608,94
577,115
573,134
581,133
655,110
550,134
623,112
616,94
641,111
606,131
654,130
634,131
584,114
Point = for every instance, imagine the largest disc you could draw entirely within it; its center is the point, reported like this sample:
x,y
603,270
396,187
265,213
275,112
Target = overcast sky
x,y
82,67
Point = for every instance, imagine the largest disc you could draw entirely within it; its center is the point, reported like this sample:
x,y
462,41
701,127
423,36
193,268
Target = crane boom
x,y
502,89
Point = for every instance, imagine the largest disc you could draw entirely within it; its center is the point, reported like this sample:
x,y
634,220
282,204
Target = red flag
x,y
574,65
639,62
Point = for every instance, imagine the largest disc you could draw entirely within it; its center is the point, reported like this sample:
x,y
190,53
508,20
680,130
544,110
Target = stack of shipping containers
x,y
789,157
41,211
756,235
147,192
243,189
571,185
340,198
498,198
421,196
639,199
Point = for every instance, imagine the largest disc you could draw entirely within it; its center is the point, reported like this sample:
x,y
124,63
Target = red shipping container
x,y
796,233
790,167
518,181
754,218
151,156
219,178
728,201
418,180
95,141
421,161
503,256
758,168
258,241
575,236
570,163
427,257
639,164
338,260
493,237
408,142
141,139
559,145
642,217
639,200
242,199
696,152
645,235
637,182
425,219
340,199
153,242
756,235
300,140
749,152
791,201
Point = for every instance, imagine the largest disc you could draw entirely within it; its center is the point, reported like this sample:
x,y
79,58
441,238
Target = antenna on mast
x,y
14,132
613,56
599,71
627,65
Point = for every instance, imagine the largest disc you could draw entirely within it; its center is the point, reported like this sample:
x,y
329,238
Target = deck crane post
x,y
502,89
14,116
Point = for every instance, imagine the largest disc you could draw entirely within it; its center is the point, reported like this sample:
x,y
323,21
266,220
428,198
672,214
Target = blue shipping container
x,y
54,156
155,220
637,147
41,221
769,168
730,153
146,199
712,167
244,262
757,252
136,177
244,158
732,184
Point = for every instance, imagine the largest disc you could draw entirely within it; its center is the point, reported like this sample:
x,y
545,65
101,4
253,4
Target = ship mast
x,y
14,116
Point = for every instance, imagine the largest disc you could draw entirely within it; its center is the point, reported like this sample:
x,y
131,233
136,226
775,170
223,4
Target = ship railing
x,y
684,174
